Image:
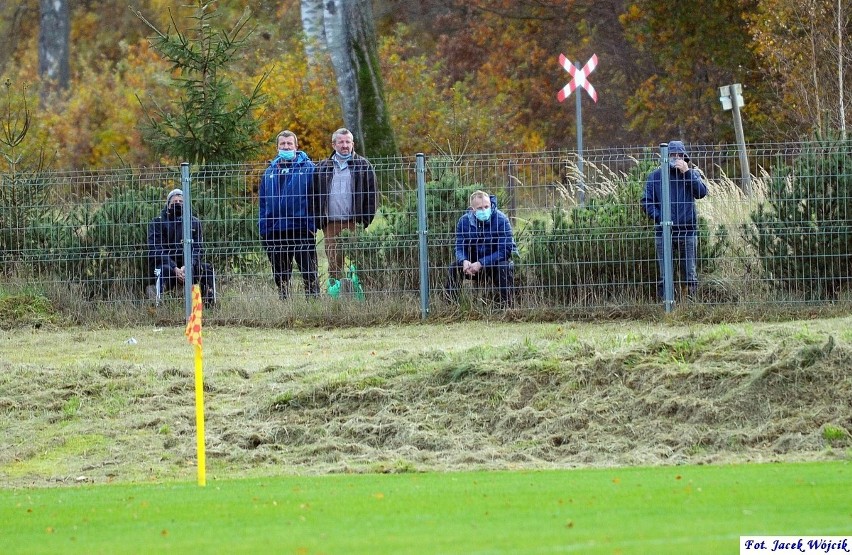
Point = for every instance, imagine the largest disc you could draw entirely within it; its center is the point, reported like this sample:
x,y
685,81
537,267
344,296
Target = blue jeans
x,y
684,252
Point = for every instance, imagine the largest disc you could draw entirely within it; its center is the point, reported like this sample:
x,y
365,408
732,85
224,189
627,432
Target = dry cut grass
x,y
93,406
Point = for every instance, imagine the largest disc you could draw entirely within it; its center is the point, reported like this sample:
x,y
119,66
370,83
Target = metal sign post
x,y
731,97
579,77
581,186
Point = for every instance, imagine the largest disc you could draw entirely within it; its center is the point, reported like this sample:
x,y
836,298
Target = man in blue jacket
x,y
165,253
484,247
685,186
286,226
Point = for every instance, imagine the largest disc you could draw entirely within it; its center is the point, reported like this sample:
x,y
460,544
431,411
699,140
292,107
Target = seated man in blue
x,y
165,253
484,247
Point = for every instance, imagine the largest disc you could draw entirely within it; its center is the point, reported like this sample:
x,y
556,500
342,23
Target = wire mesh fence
x,y
84,235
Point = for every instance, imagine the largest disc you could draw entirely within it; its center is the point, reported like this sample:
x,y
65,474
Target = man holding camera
x,y
685,186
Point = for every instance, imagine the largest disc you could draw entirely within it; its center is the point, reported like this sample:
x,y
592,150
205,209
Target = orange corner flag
x,y
193,326
193,333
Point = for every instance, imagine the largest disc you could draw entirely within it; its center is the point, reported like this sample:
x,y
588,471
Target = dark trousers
x,y
684,254
166,280
501,276
282,247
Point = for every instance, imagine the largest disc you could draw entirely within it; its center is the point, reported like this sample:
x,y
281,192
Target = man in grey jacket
x,y
344,195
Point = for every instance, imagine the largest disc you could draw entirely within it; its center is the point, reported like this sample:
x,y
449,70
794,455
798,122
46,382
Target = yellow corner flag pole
x,y
193,334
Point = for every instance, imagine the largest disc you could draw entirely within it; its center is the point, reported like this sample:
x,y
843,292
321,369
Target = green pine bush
x,y
802,232
603,250
387,254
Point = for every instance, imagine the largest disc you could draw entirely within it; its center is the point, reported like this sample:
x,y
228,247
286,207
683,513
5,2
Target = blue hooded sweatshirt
x,y
489,242
284,192
684,189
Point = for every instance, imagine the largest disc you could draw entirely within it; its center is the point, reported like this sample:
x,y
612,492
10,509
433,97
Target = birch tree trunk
x,y
314,29
351,41
335,18
53,66
378,133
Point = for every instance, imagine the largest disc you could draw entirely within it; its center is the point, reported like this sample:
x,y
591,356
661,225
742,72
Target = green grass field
x,y
689,509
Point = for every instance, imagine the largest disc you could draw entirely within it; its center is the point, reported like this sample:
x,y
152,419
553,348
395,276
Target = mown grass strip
x,y
686,509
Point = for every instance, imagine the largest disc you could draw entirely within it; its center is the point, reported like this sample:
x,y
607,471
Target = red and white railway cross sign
x,y
579,77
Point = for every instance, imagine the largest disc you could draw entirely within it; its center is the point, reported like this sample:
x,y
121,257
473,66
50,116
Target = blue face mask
x,y
483,214
287,154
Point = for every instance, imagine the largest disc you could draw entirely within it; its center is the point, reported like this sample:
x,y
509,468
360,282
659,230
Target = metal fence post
x,y
187,238
510,192
422,234
666,224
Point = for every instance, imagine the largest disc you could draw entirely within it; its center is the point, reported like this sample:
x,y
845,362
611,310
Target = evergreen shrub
x,y
802,232
387,254
602,250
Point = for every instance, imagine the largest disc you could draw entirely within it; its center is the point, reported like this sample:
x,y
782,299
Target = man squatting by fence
x,y
483,249
165,253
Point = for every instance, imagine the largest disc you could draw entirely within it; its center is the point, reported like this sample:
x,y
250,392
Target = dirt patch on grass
x,y
551,400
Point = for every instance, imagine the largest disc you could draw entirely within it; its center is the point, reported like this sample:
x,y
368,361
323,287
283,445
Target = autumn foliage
x,y
459,75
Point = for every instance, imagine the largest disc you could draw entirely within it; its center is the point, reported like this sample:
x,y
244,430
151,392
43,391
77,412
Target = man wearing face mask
x,y
287,229
685,186
484,248
344,195
165,253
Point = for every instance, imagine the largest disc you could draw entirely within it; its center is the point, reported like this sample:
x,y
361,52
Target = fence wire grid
x,y
583,240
